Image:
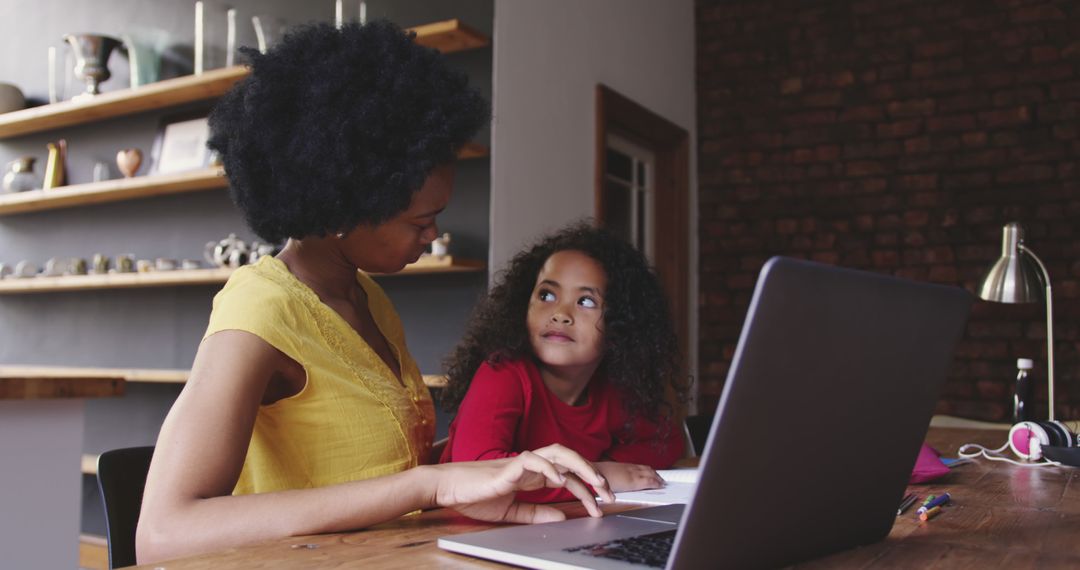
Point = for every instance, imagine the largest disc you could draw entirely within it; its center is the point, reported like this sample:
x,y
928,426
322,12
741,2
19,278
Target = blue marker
x,y
938,501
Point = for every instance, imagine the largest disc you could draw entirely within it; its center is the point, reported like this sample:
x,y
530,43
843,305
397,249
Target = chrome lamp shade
x,y
1013,278
1019,276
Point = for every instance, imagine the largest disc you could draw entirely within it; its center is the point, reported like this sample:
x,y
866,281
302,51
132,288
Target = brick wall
x,y
897,136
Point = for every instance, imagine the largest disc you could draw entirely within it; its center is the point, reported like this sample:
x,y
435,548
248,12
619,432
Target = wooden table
x,y
1001,516
41,438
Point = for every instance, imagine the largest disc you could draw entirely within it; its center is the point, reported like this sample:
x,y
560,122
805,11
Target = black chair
x,y
697,429
121,475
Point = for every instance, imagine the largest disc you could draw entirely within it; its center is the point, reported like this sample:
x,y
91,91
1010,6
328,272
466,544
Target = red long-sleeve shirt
x,y
508,409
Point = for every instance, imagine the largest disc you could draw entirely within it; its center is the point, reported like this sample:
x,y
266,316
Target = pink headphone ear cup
x,y
1020,437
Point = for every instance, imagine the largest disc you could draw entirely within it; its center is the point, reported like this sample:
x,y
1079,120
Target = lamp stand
x,y
1049,329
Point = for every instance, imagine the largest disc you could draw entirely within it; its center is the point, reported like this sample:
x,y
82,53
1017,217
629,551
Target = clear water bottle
x,y
1022,398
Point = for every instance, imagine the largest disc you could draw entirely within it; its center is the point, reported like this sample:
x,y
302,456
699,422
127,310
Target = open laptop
x,y
826,404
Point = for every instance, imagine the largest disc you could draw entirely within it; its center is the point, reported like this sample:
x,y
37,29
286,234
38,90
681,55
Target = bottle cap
x,y
1024,363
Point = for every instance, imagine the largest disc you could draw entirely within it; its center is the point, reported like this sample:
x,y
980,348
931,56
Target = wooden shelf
x,y
159,375
35,383
115,281
141,375
140,187
447,36
159,95
472,150
184,277
112,191
89,464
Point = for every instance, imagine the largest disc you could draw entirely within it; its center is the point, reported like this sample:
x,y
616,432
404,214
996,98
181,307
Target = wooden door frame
x,y
617,114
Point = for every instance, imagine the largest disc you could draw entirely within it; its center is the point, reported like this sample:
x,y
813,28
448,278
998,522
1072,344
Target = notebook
x,y
679,485
825,407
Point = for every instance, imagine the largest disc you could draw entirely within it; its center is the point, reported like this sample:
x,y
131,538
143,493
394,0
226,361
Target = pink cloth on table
x,y
928,466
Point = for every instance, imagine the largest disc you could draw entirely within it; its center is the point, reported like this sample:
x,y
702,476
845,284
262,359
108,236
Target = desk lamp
x,y
1016,277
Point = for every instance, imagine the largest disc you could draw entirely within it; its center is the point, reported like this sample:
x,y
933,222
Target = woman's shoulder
x,y
258,298
266,281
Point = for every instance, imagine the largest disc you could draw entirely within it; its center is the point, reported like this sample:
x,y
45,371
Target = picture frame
x,y
180,144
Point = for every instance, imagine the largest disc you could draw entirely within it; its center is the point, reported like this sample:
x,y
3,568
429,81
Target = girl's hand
x,y
484,490
629,477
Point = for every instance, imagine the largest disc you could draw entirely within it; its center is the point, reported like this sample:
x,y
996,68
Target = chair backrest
x,y
697,431
121,475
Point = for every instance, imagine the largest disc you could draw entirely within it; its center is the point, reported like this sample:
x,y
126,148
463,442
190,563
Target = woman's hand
x,y
629,476
485,490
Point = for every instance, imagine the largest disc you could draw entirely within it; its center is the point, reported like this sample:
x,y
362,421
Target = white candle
x,y
198,38
54,97
230,38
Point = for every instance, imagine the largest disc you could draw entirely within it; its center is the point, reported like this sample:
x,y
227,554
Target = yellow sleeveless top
x,y
353,419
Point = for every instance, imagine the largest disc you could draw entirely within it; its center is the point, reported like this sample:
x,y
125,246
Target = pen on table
x,y
944,498
930,513
927,500
938,501
907,502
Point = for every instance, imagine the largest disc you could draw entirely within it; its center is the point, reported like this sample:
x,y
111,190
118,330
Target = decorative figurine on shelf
x,y
20,175
99,264
54,267
54,167
165,264
259,250
92,53
440,246
128,161
229,252
78,266
24,269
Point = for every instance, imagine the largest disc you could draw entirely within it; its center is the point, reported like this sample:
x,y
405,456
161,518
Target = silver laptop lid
x,y
826,404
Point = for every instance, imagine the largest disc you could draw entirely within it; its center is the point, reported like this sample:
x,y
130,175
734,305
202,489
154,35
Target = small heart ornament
x,y
128,161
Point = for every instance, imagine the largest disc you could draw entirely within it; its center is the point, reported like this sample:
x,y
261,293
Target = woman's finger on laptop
x,y
528,464
530,513
583,494
577,464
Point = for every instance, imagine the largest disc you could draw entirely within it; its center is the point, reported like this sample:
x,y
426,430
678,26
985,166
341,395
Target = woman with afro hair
x,y
304,412
572,345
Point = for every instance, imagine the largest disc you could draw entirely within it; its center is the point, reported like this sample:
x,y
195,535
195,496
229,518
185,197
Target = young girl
x,y
573,346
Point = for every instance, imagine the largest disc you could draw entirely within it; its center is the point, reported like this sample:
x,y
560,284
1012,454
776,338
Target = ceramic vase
x,y
20,175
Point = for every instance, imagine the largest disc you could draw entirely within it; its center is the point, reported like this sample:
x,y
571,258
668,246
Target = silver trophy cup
x,y
91,58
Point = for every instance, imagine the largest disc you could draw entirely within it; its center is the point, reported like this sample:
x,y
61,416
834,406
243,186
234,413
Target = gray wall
x,y
549,57
161,328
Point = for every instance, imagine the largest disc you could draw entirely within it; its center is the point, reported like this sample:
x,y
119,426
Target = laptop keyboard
x,y
648,549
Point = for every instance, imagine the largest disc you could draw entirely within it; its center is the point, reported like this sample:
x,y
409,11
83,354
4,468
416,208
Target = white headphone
x,y
1027,440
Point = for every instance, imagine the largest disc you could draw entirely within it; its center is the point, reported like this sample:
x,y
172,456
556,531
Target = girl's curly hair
x,y
335,128
640,347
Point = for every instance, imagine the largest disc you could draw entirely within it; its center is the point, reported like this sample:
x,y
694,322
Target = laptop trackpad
x,y
666,514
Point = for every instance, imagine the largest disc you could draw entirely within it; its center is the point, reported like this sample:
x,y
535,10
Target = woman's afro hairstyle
x,y
336,128
640,347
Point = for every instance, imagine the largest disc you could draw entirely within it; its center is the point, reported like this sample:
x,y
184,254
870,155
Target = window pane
x,y
619,165
618,210
640,240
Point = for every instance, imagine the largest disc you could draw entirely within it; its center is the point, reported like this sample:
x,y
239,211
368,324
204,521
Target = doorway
x,y
642,192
